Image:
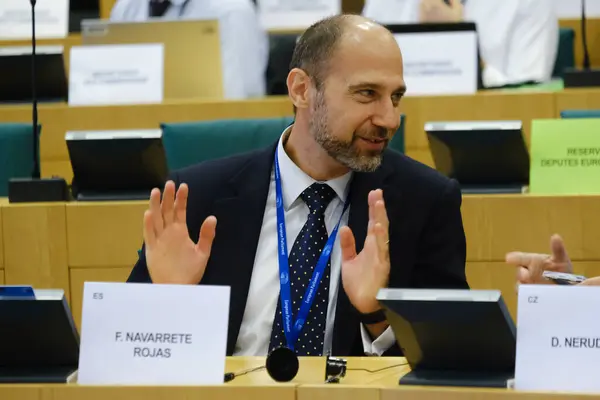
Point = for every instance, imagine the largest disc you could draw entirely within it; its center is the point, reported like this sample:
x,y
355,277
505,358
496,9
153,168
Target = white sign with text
x,y
558,338
295,14
148,334
116,74
51,19
439,62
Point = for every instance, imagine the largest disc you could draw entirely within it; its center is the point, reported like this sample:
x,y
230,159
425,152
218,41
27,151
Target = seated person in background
x,y
531,266
518,39
244,44
225,222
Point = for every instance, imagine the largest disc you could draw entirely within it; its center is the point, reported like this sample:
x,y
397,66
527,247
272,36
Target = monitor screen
x,y
117,163
446,329
485,154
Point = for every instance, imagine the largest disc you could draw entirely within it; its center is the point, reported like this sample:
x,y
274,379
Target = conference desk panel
x,y
57,119
108,234
104,234
486,105
35,245
578,99
63,245
3,201
498,224
271,391
480,274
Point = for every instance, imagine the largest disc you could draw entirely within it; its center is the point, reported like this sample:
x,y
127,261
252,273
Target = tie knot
x,y
317,197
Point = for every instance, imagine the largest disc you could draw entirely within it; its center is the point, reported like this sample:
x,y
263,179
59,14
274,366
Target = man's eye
x,y
367,92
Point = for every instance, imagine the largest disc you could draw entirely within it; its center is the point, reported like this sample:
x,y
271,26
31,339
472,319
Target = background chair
x,y
188,143
281,49
565,56
16,153
580,114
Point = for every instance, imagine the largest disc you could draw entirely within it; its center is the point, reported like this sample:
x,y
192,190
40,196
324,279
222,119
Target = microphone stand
x,y
587,76
36,189
586,51
36,167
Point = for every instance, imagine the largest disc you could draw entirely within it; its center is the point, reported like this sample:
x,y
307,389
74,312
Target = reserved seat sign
x,y
142,334
565,156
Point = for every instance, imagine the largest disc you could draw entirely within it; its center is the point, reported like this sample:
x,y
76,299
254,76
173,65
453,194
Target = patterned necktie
x,y
303,260
158,8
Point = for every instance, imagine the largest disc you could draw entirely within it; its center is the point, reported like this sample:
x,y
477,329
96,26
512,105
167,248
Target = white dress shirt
x,y
255,332
518,38
244,43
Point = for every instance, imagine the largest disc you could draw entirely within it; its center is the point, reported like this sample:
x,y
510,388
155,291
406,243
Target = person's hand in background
x,y
531,266
591,281
439,11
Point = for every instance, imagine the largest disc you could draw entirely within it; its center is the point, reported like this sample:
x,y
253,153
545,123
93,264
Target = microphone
x,y
587,76
283,365
35,189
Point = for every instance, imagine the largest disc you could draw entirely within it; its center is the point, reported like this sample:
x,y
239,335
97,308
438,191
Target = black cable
x,y
229,376
373,371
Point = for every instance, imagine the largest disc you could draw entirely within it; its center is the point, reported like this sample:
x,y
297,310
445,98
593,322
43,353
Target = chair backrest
x,y
281,49
580,114
188,143
16,153
565,56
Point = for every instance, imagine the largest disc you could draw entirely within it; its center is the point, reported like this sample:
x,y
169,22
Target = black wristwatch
x,y
374,317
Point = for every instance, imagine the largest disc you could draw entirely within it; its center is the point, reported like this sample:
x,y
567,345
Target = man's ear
x,y
298,83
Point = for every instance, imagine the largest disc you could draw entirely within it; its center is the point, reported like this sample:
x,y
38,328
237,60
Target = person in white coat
x,y
518,38
244,43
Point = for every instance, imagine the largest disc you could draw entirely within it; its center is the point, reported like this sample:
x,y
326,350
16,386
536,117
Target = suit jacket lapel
x,y
239,220
347,317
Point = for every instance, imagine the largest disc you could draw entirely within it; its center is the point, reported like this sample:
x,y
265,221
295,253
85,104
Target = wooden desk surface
x,y
358,384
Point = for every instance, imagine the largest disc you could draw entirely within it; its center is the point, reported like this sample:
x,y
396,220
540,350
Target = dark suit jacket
x,y
427,241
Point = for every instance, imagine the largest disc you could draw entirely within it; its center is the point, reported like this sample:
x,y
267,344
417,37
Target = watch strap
x,y
374,317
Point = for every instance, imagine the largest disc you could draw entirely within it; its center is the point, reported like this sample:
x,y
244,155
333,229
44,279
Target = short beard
x,y
343,152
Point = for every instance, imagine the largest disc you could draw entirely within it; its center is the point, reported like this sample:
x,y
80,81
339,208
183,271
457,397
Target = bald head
x,y
320,42
346,83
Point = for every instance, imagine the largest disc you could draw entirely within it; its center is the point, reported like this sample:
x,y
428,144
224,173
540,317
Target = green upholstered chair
x,y
16,153
565,56
188,143
580,114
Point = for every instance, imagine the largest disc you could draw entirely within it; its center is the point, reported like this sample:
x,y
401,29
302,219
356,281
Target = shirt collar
x,y
294,181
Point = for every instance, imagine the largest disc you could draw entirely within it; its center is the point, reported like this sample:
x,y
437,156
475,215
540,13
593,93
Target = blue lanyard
x,y
292,329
